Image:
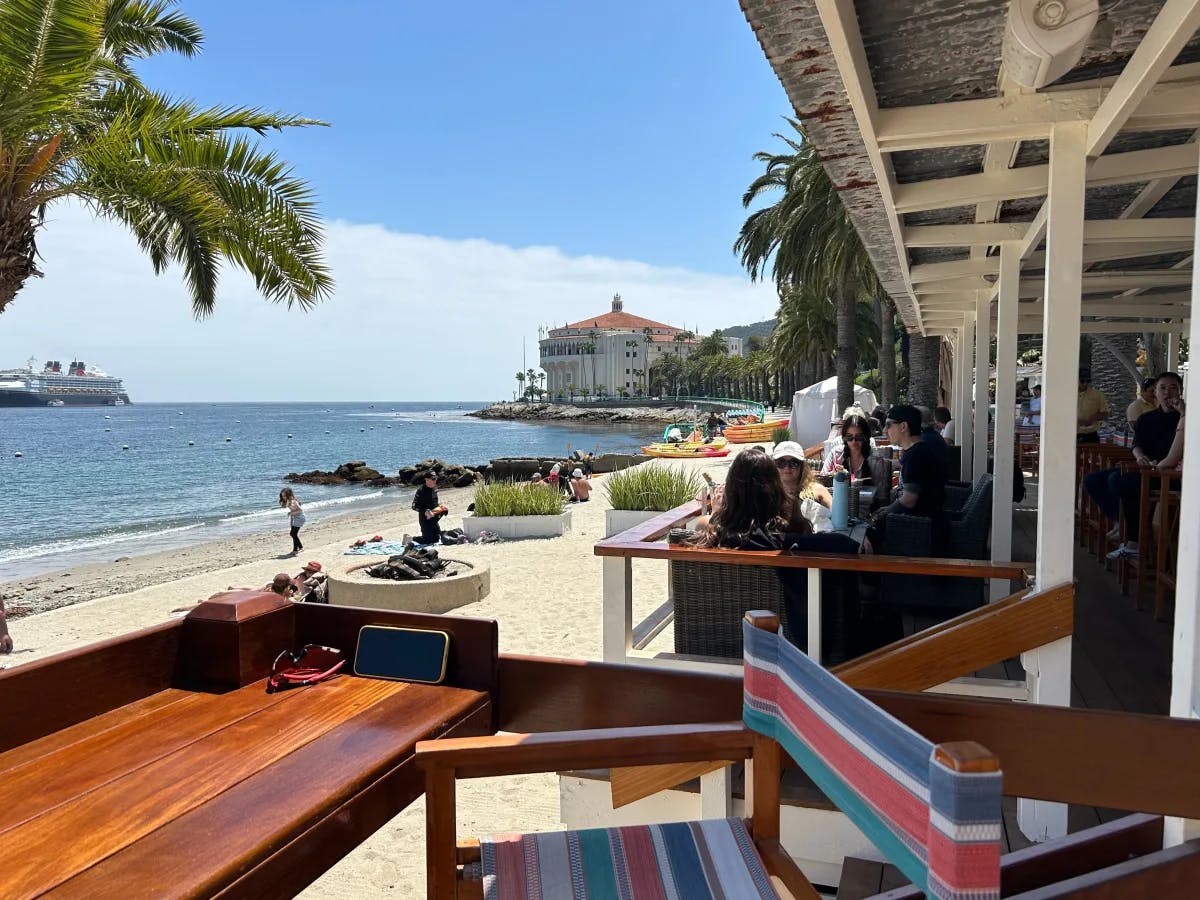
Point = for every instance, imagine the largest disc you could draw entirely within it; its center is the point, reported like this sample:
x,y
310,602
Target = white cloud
x,y
414,317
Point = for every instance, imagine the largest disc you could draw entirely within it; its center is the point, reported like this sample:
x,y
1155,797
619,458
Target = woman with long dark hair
x,y
296,519
861,463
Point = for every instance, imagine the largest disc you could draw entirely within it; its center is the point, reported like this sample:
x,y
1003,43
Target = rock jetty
x,y
358,472
561,412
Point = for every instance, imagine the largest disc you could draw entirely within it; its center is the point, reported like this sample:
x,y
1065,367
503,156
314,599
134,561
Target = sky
x,y
487,169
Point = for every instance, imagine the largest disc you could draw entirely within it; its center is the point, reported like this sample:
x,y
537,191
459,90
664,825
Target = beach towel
x,y
378,548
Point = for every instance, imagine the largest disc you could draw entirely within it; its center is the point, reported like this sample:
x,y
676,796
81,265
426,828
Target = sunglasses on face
x,y
788,463
854,438
309,665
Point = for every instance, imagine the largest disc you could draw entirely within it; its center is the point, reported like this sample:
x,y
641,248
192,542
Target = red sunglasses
x,y
310,664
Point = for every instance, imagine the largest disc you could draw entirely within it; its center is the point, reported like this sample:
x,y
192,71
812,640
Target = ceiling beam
x,y
1030,325
1023,117
1171,29
1030,181
1096,231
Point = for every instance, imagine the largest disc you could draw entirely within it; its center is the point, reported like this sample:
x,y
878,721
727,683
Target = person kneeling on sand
x,y
581,488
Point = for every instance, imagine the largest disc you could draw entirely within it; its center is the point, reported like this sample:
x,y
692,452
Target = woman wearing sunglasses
x,y
799,482
860,462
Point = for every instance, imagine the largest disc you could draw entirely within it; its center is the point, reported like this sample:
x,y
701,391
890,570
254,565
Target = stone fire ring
x,y
355,587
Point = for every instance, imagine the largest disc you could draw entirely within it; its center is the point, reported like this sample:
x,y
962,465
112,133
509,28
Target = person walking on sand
x,y
6,641
296,519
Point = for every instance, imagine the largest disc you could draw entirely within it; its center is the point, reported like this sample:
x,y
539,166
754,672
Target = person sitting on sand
x,y
535,478
6,641
581,488
311,584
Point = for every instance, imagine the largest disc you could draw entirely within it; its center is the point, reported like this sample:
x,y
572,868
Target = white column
x,y
1006,401
1173,348
1185,661
1049,669
983,340
962,414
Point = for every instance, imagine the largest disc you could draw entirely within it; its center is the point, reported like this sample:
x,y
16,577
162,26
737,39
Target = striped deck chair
x,y
935,812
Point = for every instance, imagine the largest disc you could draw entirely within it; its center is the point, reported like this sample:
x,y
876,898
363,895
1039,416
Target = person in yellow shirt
x,y
1091,409
1143,404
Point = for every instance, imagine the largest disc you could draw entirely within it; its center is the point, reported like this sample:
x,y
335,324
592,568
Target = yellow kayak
x,y
686,451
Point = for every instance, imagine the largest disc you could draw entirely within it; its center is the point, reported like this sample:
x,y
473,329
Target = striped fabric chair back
x,y
940,827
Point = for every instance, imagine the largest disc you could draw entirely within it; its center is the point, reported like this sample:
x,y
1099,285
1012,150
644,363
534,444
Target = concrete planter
x,y
618,520
435,595
515,527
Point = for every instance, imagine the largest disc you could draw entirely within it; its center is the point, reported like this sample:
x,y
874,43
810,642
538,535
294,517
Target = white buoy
x,y
327,432
229,440
289,435
191,443
18,453
108,429
124,446
108,417
362,430
170,428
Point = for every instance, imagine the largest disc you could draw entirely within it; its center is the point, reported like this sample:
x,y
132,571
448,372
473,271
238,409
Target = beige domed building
x,y
614,350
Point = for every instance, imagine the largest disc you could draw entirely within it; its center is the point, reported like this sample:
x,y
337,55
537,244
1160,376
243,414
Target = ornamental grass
x,y
651,488
520,498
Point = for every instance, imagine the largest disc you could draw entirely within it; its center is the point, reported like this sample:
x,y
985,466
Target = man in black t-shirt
x,y
429,509
922,474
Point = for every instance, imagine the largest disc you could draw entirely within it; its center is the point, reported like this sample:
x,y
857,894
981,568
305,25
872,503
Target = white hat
x,y
788,448
577,473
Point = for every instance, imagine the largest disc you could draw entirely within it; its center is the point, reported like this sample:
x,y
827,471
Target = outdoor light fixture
x,y
1044,39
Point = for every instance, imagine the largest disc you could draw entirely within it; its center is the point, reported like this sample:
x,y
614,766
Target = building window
x,y
626,371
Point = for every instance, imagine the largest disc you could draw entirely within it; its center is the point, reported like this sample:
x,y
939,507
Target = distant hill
x,y
745,332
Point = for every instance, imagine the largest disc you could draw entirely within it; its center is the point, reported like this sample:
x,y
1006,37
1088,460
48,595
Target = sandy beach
x,y
546,595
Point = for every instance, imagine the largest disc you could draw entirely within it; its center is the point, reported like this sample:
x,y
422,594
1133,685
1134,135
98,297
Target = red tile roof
x,y
618,320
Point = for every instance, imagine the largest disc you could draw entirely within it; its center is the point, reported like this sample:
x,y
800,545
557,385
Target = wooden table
x,y
183,791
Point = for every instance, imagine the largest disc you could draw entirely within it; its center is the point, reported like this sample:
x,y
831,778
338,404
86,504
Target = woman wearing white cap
x,y
581,488
799,483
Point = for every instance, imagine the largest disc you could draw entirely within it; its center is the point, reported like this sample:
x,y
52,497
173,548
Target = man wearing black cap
x,y
922,475
1091,409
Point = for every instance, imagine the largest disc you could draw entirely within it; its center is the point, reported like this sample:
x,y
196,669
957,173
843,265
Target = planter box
x,y
618,520
513,527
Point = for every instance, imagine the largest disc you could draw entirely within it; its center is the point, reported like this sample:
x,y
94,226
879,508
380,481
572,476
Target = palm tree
x,y
647,340
77,122
811,240
520,384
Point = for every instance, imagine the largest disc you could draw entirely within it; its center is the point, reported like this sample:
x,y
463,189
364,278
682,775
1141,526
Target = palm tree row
x,y
834,316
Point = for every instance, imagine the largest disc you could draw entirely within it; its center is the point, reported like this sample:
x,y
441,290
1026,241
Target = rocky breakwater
x,y
358,472
560,412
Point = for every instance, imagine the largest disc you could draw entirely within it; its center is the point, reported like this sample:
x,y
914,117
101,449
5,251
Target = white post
x,y
983,341
1006,401
1173,348
617,586
1049,668
962,414
814,614
716,794
1185,661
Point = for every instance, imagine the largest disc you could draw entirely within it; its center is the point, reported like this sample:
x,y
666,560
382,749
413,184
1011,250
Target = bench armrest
x,y
553,751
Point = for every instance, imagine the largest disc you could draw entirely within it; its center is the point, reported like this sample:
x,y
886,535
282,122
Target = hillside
x,y
745,332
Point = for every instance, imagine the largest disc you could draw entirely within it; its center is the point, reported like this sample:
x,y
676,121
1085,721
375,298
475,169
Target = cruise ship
x,y
79,385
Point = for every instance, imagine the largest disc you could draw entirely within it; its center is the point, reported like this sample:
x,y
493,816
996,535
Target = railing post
x,y
983,346
617,576
814,614
716,794
1049,668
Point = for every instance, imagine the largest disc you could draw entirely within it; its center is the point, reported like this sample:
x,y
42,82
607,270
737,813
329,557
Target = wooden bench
x,y
934,811
158,765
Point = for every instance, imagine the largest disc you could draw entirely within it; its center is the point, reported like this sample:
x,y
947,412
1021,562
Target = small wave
x,y
276,511
72,545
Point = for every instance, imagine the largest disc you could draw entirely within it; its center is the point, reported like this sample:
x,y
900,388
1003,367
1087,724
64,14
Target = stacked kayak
x,y
757,433
687,449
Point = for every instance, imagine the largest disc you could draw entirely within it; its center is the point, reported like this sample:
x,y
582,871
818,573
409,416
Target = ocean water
x,y
198,472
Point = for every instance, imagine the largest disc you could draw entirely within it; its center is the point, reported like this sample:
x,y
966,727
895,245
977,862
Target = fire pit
x,y
355,587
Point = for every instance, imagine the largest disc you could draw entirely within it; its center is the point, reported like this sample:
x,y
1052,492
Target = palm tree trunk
x,y
887,349
18,250
847,347
924,356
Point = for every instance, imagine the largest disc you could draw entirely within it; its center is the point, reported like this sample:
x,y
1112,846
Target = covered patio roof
x,y
940,156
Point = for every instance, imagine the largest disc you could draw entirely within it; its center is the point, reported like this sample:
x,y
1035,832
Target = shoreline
x,y
70,585
566,413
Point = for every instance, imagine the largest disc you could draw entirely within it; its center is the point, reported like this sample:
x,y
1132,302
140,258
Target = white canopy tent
x,y
815,406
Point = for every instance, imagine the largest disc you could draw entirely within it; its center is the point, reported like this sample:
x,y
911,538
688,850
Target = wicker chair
x,y
967,538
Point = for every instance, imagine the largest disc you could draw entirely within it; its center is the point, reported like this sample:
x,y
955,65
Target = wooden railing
x,y
643,541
